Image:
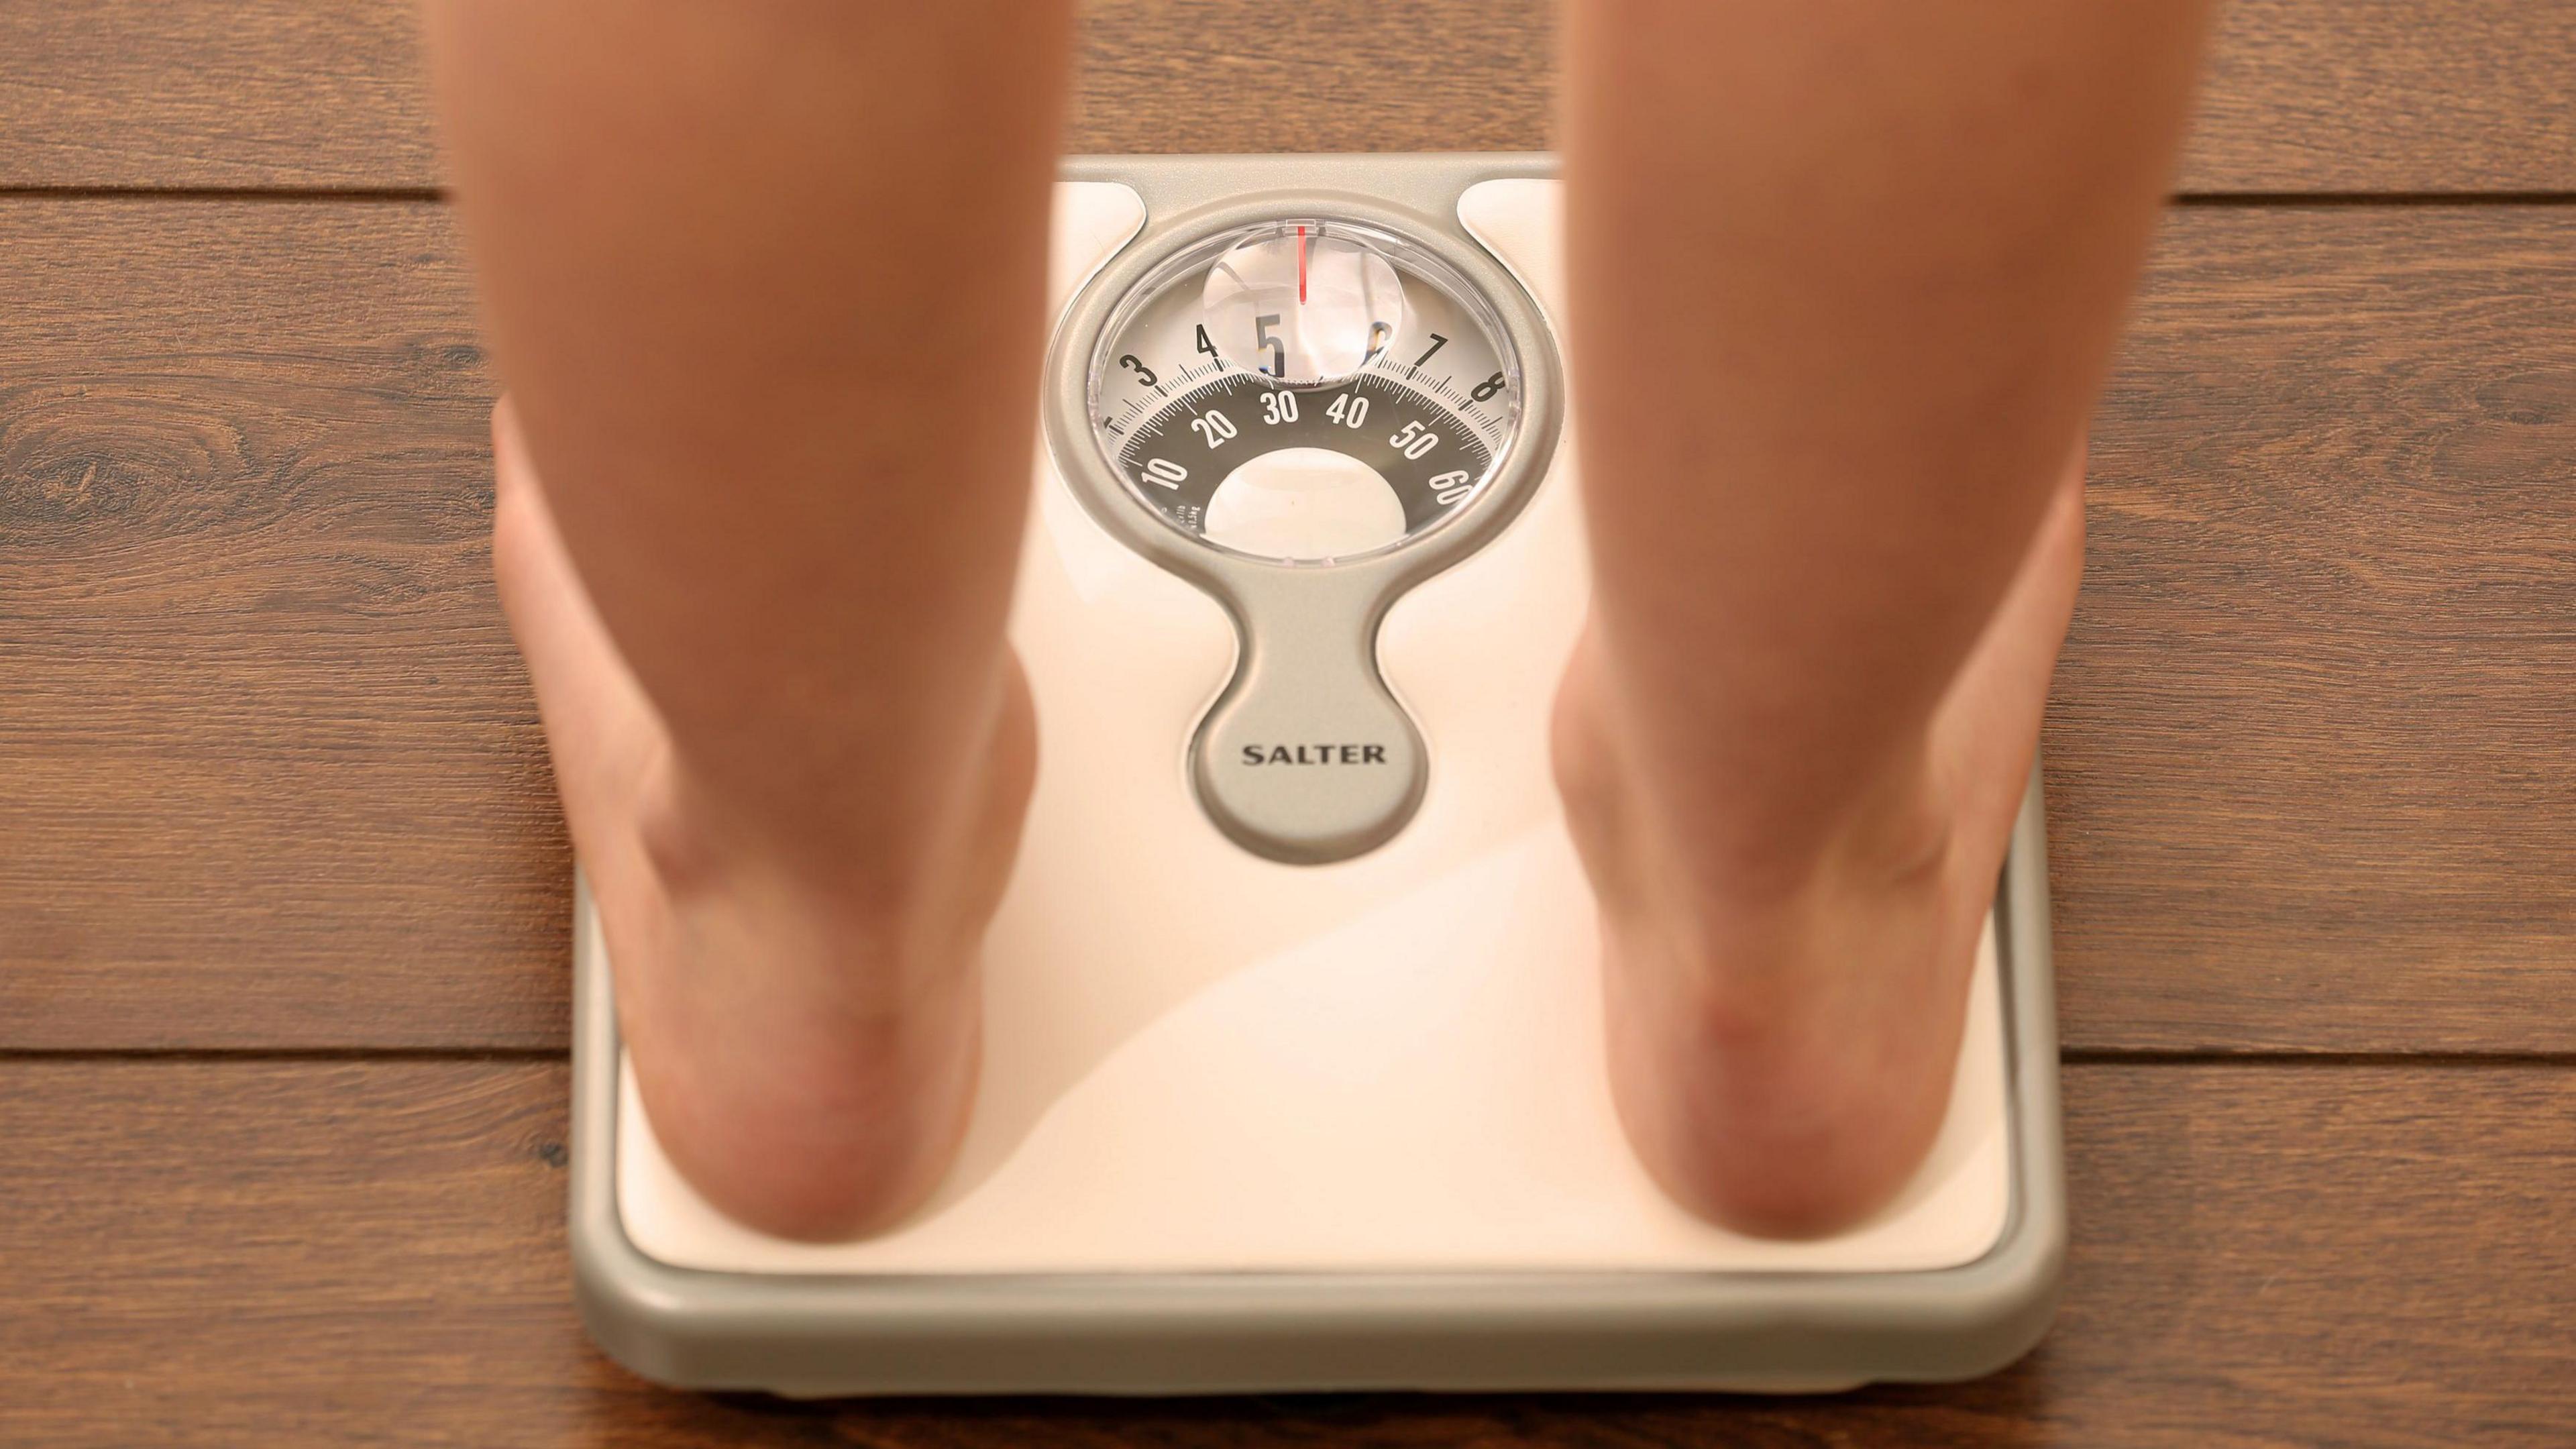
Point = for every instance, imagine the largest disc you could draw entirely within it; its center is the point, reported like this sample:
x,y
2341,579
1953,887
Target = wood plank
x,y
2388,95
2303,95
204,1253
2312,749
269,770
269,775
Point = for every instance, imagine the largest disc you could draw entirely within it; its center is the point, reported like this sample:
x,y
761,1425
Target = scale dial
x,y
1306,390
1303,305
1304,414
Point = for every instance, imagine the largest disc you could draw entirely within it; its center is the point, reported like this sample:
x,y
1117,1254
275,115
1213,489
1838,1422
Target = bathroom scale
x,y
1293,1071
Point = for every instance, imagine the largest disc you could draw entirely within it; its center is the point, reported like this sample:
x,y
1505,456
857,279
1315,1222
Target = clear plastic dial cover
x,y
1307,391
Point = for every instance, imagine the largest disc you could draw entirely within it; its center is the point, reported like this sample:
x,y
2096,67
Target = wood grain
x,y
212,1253
2388,95
270,776
269,770
2303,95
2312,748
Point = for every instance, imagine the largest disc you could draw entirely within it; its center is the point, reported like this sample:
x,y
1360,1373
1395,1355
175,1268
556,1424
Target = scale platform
x,y
1294,1072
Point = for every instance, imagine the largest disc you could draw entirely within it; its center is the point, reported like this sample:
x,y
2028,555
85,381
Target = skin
x,y
1846,282
765,280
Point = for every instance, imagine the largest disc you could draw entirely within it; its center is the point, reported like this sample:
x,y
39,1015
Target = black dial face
x,y
1428,455
1305,391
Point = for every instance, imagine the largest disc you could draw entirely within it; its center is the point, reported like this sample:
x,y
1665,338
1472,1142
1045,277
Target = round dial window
x,y
1306,390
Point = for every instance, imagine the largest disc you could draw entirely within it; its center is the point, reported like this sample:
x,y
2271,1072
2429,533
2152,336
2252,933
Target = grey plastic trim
x,y
1306,668
1222,1333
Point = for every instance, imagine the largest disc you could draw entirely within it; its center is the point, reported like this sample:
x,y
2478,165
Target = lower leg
x,y
1846,281
765,281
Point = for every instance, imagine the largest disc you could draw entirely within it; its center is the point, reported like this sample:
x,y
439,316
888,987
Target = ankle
x,y
1673,835
907,883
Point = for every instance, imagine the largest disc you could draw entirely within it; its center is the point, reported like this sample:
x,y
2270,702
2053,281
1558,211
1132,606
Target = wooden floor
x,y
283,895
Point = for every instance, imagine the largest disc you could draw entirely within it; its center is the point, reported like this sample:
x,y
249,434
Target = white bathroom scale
x,y
1294,1072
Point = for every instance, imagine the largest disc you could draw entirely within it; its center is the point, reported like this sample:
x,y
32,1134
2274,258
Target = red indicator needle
x,y
1301,266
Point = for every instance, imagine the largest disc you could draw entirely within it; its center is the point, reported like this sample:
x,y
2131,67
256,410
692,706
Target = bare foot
x,y
1781,1041
802,1011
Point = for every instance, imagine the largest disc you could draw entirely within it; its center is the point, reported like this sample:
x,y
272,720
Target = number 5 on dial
x,y
1261,338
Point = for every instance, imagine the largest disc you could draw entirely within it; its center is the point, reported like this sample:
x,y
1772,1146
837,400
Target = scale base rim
x,y
815,1336
1217,1333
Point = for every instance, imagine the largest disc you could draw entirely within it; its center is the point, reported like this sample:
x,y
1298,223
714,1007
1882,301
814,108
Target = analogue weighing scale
x,y
1293,1072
